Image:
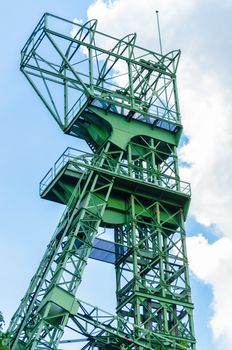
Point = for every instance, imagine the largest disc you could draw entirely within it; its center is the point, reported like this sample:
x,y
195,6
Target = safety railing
x,y
120,73
78,160
106,324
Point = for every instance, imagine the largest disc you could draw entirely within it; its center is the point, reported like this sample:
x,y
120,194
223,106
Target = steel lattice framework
x,y
122,100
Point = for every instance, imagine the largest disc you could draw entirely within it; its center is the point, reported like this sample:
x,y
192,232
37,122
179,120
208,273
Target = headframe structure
x,y
122,100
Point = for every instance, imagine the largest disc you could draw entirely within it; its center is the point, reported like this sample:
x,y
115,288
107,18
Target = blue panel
x,y
104,250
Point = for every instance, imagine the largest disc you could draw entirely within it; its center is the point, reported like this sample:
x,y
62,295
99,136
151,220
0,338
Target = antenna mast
x,y
159,34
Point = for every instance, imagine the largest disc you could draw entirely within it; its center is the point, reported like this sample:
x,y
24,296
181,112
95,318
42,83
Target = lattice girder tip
x,y
86,79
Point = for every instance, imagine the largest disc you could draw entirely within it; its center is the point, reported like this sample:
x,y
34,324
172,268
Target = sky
x,y
31,142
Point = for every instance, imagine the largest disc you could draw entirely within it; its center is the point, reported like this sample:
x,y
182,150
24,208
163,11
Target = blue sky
x,y
31,141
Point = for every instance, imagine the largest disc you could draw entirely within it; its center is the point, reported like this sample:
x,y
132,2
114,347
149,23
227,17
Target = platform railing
x,y
113,73
77,160
93,317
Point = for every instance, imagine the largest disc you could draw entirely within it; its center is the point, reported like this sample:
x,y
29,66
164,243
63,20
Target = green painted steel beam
x,y
122,100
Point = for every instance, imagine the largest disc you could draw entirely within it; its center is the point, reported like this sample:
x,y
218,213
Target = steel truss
x,y
122,99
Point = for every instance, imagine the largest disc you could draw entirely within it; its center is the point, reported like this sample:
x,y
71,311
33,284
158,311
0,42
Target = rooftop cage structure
x,y
76,69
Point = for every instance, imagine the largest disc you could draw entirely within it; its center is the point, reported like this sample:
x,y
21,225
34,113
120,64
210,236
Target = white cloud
x,y
201,31
207,122
214,266
75,28
123,17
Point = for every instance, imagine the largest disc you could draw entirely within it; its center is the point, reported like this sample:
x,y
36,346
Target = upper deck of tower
x,y
75,68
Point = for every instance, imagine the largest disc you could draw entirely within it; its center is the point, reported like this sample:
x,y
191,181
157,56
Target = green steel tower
x,y
122,100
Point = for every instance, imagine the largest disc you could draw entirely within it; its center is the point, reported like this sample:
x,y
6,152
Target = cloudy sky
x,y
31,142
